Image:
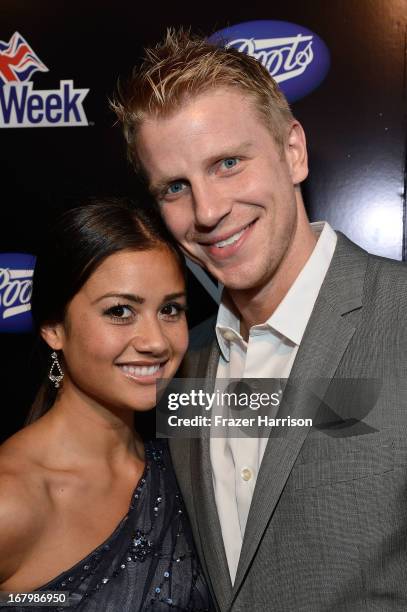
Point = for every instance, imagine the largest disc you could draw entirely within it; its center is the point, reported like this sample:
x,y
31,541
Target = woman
x,y
86,507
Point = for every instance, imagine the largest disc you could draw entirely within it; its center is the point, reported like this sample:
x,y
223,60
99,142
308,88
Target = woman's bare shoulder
x,y
22,497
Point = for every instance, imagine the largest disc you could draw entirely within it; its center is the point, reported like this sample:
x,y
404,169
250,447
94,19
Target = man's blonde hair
x,y
184,66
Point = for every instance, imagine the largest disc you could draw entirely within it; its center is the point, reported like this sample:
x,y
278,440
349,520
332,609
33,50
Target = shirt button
x,y
229,335
246,474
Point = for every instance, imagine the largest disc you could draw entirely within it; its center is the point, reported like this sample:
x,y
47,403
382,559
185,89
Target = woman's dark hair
x,y
80,240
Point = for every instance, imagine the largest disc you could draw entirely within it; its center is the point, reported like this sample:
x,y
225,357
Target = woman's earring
x,y
55,372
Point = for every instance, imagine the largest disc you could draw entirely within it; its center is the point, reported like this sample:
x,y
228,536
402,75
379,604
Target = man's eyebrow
x,y
231,151
130,297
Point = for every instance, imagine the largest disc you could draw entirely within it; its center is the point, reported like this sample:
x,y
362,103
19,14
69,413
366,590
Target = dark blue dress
x,y
148,563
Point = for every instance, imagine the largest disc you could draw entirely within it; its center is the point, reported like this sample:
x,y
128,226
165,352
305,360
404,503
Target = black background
x,y
355,124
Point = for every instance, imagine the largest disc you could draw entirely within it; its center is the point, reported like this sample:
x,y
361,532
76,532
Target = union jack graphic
x,y
17,60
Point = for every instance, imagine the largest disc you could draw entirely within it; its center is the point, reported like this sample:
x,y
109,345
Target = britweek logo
x,y
20,105
16,272
296,58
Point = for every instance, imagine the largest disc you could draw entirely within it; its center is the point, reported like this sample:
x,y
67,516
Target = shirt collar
x,y
293,313
227,325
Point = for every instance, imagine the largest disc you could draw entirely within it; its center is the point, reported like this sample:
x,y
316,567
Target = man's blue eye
x,y
175,187
230,162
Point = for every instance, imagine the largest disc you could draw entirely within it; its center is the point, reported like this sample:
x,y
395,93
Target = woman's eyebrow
x,y
131,297
174,296
137,299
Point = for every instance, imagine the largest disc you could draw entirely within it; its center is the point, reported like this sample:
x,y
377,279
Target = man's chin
x,y
239,278
236,282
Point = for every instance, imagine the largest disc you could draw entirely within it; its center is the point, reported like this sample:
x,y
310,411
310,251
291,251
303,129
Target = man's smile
x,y
228,244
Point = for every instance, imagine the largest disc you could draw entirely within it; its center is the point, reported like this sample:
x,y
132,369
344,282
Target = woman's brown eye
x,y
118,311
121,311
172,310
169,309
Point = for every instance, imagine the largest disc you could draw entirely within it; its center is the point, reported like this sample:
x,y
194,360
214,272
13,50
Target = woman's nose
x,y
150,338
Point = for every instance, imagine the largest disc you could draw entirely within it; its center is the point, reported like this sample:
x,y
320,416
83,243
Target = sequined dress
x,y
148,563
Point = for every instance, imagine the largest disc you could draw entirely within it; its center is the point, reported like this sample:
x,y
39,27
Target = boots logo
x,y
294,56
16,272
23,106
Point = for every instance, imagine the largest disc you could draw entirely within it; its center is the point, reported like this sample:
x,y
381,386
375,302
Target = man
x,y
315,519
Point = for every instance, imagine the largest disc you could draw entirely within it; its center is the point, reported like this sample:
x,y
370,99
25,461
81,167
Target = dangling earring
x,y
55,372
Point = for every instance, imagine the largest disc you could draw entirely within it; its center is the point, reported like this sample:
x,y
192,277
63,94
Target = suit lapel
x,y
204,498
192,461
208,522
325,340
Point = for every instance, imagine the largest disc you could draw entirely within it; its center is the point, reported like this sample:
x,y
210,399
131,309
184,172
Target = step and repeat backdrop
x,y
340,63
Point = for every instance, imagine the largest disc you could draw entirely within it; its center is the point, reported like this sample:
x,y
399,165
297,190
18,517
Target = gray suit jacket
x,y
327,528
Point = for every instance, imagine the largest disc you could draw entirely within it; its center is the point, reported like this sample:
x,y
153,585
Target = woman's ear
x,y
296,153
53,334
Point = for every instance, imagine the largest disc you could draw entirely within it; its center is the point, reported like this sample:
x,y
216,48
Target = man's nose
x,y
211,205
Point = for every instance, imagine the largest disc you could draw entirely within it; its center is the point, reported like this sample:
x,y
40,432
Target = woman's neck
x,y
82,430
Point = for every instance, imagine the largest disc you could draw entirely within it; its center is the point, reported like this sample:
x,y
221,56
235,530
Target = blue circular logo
x,y
296,58
16,272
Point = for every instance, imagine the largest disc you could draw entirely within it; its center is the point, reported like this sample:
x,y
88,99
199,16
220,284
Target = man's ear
x,y
53,334
296,153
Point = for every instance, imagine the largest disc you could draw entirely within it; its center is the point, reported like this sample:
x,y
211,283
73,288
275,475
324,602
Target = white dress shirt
x,y
269,353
